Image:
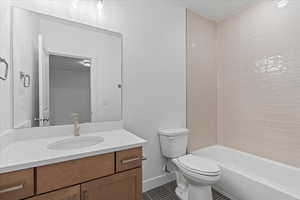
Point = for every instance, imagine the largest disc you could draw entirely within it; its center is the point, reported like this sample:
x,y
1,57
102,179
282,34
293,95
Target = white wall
x,y
25,59
154,63
5,100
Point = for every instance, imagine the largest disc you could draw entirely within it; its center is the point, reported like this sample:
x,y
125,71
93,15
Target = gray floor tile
x,y
161,193
218,196
146,196
171,186
167,192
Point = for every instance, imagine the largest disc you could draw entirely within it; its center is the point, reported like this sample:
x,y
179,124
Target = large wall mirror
x,y
63,69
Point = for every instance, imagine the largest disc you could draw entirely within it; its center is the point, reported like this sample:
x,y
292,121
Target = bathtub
x,y
249,177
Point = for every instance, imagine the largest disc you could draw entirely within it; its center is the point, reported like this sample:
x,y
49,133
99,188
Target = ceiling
x,y
217,9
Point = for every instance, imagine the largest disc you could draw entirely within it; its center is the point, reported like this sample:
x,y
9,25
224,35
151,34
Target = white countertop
x,y
28,153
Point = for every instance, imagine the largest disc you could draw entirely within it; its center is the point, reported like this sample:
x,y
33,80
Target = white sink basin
x,y
75,143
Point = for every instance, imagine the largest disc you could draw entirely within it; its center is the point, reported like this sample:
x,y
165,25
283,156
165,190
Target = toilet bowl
x,y
199,174
194,175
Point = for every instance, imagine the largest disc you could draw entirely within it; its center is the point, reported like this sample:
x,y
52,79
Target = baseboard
x,y
155,182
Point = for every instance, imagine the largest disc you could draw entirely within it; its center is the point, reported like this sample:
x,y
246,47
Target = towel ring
x,y
5,76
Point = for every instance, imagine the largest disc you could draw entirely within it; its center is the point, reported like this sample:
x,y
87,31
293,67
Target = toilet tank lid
x,y
173,132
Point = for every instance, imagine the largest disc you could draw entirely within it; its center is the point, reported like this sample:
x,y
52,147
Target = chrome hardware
x,y
5,76
12,189
26,79
144,158
133,160
130,160
41,120
166,169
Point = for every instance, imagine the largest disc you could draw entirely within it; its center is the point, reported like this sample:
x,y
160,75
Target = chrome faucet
x,y
75,117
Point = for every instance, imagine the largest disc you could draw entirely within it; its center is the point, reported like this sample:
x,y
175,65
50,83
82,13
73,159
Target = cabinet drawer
x,y
17,185
56,176
72,193
129,159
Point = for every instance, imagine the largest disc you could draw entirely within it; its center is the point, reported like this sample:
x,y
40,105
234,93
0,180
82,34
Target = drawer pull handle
x,y
130,160
12,189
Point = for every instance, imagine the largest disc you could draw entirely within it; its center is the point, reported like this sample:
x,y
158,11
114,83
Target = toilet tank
x,y
173,142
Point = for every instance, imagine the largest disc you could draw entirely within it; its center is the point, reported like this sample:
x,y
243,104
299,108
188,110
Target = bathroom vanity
x,y
109,170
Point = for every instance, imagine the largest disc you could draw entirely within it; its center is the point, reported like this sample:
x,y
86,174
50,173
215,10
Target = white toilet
x,y
194,174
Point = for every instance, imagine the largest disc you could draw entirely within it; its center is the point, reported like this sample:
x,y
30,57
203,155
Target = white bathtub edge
x,y
261,181
255,156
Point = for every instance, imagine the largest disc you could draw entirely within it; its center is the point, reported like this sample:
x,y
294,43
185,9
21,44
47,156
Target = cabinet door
x,y
61,175
17,185
122,186
72,193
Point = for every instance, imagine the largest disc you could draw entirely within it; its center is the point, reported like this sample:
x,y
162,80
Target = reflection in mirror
x,y
57,76
69,79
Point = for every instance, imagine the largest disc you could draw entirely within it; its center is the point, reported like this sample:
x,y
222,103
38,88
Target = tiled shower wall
x,y
201,81
259,81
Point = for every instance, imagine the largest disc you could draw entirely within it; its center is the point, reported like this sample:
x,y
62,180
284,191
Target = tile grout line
x,y
148,196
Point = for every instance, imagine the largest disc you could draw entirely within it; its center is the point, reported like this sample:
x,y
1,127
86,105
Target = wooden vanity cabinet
x,y
72,193
122,186
129,159
56,176
111,176
17,185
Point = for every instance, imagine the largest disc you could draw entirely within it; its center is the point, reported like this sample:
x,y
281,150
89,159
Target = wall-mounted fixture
x,y
26,79
3,65
281,3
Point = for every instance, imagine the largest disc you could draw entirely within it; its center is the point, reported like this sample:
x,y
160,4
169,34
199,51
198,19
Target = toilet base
x,y
194,192
197,192
181,193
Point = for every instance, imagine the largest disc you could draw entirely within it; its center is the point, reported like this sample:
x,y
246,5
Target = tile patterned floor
x,y
167,192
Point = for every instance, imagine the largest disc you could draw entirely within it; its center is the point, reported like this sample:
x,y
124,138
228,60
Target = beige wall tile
x,y
259,81
202,81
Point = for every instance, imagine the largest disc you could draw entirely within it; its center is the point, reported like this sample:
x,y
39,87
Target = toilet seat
x,y
198,165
